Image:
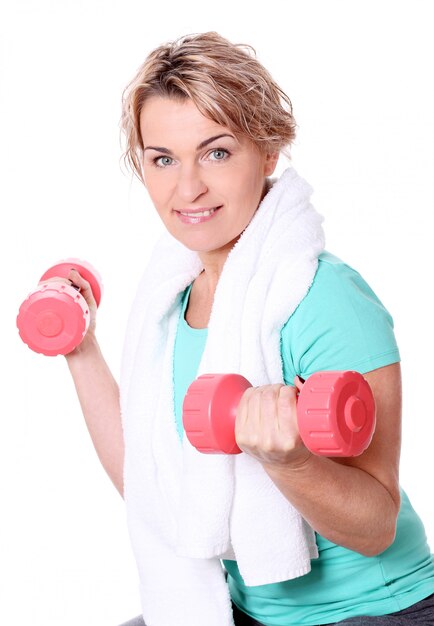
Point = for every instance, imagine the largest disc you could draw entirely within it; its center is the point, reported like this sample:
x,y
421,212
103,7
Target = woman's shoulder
x,y
337,286
340,324
333,268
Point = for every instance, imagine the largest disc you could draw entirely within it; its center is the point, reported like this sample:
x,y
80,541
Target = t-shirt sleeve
x,y
340,325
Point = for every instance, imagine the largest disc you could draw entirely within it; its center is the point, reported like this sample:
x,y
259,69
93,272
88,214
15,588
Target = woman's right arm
x,y
98,393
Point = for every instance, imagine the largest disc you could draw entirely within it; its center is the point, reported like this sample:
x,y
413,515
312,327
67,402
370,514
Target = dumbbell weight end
x,y
209,412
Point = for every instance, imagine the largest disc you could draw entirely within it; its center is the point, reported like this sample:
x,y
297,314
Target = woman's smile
x,y
197,216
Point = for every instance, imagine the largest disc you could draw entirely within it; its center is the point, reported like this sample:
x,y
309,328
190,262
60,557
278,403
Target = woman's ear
x,y
270,163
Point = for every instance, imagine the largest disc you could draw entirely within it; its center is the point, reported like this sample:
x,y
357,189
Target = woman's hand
x,y
77,281
86,292
266,426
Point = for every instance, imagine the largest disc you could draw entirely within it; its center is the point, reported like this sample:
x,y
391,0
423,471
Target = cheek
x,y
158,193
248,194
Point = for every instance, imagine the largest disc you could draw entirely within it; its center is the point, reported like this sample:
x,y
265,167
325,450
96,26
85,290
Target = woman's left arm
x,y
353,502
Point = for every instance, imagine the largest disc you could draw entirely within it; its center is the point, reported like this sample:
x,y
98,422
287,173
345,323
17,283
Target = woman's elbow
x,y
379,541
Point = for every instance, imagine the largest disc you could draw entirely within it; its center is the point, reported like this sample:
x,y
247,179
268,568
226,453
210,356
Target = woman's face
x,y
205,182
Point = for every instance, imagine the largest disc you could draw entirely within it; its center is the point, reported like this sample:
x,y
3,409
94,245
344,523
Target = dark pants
x,y
420,614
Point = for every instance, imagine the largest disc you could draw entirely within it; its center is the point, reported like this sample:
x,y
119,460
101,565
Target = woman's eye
x,y
219,154
163,161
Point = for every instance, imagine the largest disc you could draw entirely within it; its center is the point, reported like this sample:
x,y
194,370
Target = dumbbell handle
x,y
335,413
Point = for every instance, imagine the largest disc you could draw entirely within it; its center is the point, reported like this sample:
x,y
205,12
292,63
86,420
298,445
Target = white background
x,y
359,74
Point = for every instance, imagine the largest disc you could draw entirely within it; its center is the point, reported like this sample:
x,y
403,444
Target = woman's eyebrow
x,y
199,147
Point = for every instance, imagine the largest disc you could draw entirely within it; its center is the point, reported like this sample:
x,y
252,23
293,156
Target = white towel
x,y
187,510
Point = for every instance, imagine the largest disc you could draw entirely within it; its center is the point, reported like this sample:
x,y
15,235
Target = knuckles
x,y
281,395
76,281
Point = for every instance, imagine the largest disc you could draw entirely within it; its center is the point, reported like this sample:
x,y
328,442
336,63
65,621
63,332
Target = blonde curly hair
x,y
224,80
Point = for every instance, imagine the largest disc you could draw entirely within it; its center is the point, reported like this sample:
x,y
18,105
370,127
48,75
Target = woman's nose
x,y
190,184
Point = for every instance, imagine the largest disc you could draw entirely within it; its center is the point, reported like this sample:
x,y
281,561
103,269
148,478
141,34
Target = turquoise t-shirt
x,y
339,325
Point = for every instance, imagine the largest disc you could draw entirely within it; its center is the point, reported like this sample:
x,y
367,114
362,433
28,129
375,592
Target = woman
x,y
241,283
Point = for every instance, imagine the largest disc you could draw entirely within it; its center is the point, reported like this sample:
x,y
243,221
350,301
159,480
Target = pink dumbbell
x,y
54,318
335,413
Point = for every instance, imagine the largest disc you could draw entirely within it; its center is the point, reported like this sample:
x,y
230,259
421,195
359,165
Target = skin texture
x,y
353,502
98,393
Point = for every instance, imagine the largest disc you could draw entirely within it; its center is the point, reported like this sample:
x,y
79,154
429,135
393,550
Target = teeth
x,y
200,213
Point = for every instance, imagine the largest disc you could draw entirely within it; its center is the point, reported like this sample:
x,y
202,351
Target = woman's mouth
x,y
197,217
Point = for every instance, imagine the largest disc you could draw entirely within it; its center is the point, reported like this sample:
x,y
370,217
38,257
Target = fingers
x,y
266,424
77,281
